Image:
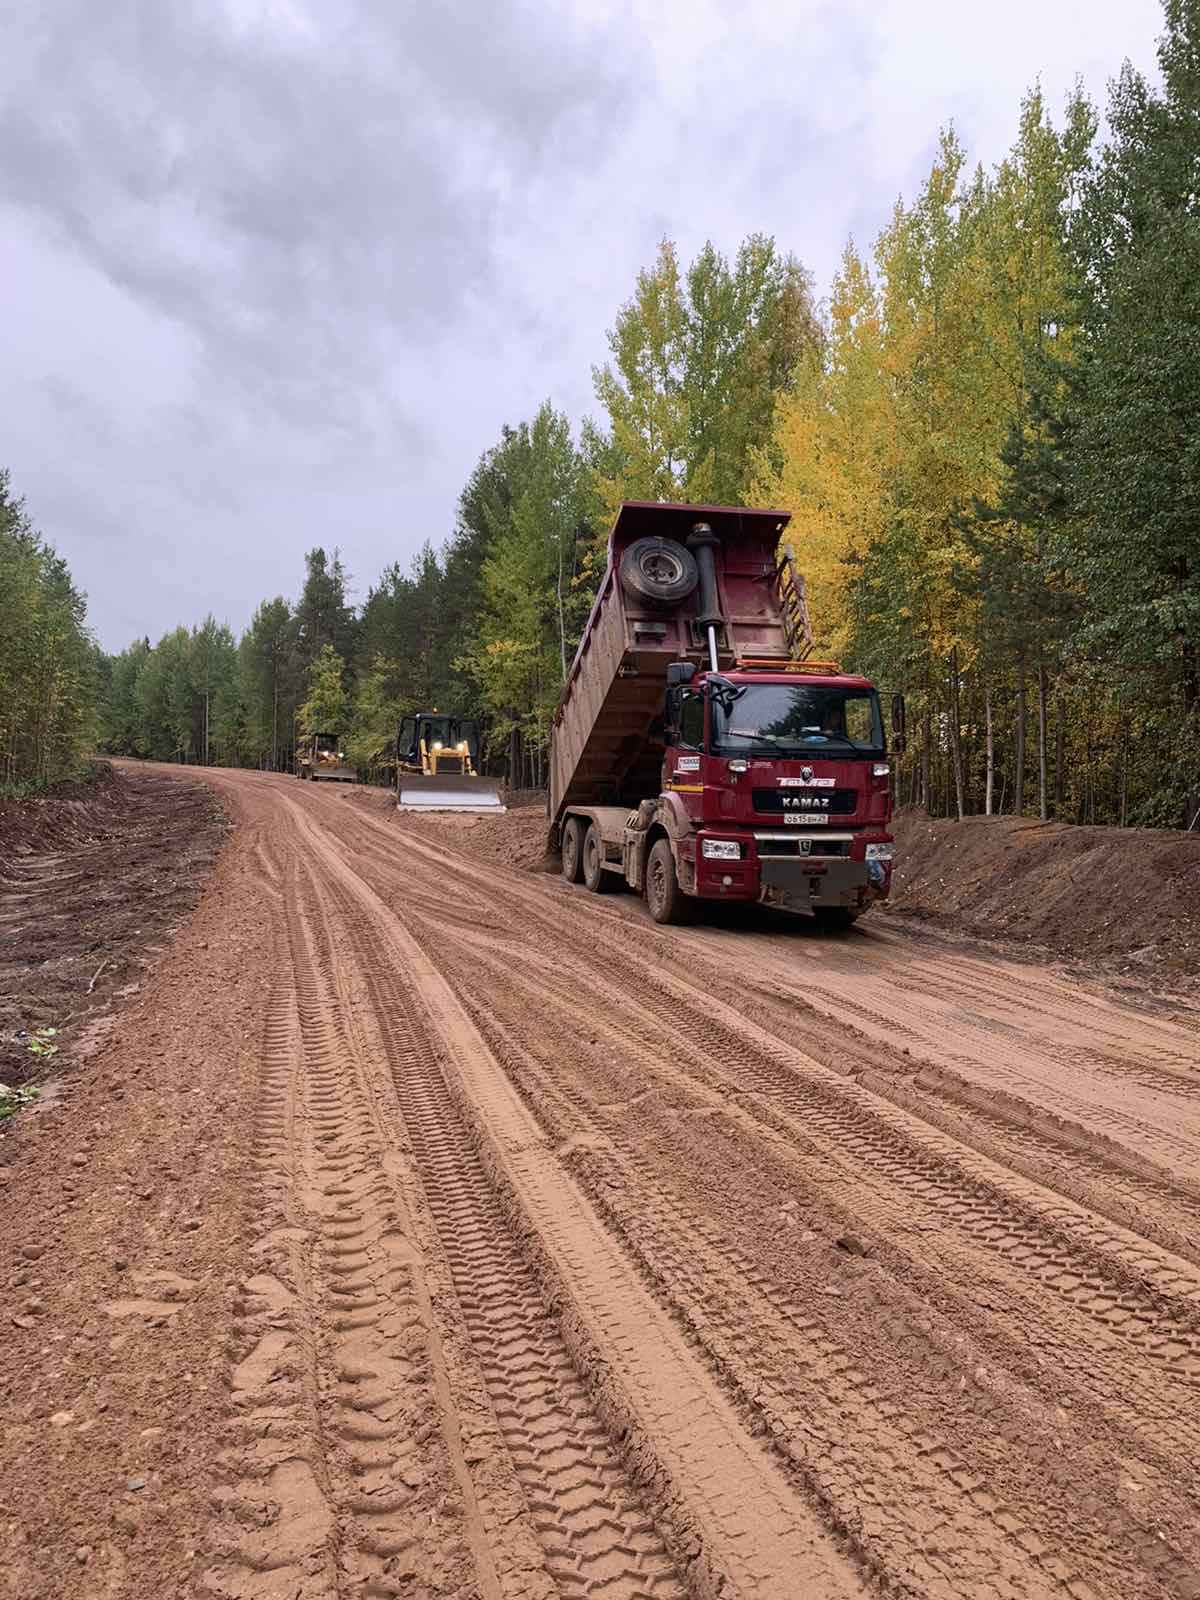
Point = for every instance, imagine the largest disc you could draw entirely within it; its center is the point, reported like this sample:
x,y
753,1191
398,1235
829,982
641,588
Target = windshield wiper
x,y
761,739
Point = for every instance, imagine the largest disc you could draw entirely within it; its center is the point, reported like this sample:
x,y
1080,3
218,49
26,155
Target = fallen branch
x,y
96,974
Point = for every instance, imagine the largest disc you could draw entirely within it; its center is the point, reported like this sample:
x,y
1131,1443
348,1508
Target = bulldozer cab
x,y
437,765
431,742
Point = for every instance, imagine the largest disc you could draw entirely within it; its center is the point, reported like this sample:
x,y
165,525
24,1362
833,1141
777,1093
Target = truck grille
x,y
818,848
833,802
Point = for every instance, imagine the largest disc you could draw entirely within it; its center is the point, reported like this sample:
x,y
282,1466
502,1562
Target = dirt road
x,y
455,1233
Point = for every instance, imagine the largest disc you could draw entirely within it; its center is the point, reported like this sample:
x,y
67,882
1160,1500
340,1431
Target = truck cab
x,y
778,783
699,752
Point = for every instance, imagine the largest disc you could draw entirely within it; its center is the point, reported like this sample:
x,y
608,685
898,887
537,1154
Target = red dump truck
x,y
698,752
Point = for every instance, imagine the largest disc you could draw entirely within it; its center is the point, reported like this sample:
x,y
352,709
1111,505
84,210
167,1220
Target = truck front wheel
x,y
594,875
666,899
572,850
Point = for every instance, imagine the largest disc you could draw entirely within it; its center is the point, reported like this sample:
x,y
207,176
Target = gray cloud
x,y
275,271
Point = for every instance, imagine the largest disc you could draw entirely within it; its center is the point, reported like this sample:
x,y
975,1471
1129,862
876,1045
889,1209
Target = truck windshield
x,y
797,719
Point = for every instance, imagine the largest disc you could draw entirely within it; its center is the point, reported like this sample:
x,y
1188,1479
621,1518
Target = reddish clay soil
x,y
94,877
429,1228
1122,898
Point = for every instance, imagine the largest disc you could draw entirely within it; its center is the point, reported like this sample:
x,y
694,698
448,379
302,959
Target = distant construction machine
x,y
437,766
322,756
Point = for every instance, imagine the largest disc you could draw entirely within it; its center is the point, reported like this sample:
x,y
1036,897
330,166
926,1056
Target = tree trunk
x,y
514,757
1042,795
1060,751
562,625
926,755
1019,760
956,734
990,784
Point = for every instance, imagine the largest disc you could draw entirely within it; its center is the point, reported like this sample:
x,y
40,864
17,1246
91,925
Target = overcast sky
x,y
273,273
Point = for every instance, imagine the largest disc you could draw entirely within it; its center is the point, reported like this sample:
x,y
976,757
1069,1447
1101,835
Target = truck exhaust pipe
x,y
702,541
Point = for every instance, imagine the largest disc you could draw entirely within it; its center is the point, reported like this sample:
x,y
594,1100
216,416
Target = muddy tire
x,y
572,850
660,570
835,919
666,900
594,875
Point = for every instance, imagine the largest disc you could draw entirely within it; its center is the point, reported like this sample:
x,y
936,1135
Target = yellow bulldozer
x,y
322,758
437,766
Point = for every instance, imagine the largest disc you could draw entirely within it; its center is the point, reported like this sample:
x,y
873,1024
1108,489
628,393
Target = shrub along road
x,y
430,1228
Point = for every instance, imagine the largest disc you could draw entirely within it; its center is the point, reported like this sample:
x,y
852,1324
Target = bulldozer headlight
x,y
720,850
462,744
437,744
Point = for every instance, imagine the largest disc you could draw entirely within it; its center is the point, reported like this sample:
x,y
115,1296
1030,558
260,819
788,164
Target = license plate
x,y
798,819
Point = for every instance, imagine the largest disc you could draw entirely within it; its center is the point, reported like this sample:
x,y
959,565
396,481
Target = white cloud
x,y
277,271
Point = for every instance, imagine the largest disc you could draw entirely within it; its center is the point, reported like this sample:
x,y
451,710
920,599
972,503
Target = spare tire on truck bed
x,y
661,570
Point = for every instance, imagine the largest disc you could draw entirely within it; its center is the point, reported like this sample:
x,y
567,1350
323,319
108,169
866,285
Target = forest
x,y
987,431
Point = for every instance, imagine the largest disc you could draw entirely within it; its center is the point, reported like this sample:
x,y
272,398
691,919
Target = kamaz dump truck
x,y
437,766
698,752
320,756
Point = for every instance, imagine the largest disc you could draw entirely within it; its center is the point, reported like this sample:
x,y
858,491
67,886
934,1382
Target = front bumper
x,y
795,882
803,885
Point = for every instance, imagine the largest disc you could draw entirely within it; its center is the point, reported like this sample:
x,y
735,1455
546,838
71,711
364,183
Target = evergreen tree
x,y
325,706
1135,458
324,616
269,671
48,672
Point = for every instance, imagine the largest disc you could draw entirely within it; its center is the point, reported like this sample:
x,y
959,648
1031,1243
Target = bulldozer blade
x,y
449,793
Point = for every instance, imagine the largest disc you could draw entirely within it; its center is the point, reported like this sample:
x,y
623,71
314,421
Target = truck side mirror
x,y
680,672
671,713
899,725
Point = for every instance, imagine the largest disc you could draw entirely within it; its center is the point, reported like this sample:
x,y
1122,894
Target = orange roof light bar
x,y
773,664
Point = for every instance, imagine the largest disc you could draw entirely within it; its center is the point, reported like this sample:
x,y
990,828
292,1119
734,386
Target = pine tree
x,y
325,706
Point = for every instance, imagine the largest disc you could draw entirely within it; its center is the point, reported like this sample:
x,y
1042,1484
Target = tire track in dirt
x,y
934,1002
1113,1277
984,1221
727,1513
990,1389
592,1528
937,1190
1033,1039
941,1502
1093,1169
345,1483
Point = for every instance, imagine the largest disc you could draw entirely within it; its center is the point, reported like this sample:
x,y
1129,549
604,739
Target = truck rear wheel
x,y
572,850
666,899
661,570
594,875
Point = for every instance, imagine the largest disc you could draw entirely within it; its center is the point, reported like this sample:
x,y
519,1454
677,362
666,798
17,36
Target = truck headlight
x,y
720,850
881,769
880,852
